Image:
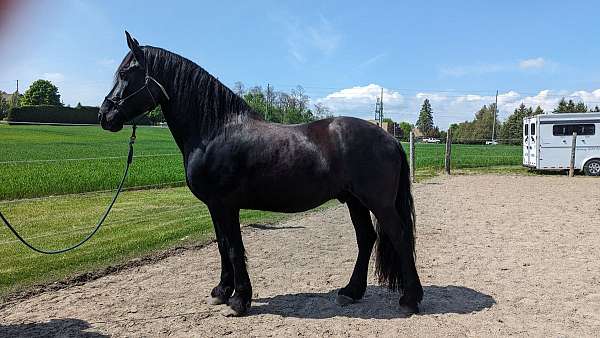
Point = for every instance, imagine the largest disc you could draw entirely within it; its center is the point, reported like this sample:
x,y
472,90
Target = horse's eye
x,y
122,73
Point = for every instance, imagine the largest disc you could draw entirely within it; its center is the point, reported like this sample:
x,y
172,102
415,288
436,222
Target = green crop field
x,y
466,155
51,160
54,160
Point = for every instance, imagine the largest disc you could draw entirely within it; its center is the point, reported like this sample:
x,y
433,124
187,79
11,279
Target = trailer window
x,y
526,129
533,129
569,129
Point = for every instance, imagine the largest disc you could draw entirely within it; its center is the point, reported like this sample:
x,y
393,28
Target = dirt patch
x,y
498,255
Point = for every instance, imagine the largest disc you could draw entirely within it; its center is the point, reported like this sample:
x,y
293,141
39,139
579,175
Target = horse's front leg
x,y
221,293
228,221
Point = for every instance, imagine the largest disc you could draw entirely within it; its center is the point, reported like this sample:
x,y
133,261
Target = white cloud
x,y
535,63
479,69
449,107
53,77
307,41
372,60
482,69
360,101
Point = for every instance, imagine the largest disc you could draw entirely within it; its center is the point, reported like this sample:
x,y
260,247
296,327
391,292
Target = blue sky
x,y
457,53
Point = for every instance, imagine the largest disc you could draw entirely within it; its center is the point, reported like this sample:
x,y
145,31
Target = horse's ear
x,y
134,46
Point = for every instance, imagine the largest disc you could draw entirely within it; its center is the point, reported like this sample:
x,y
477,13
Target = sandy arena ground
x,y
498,256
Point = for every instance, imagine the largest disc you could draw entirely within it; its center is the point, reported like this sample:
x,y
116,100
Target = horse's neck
x,y
175,126
188,123
187,126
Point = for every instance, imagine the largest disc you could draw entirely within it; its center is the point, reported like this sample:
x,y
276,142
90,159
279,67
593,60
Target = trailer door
x,y
533,141
526,142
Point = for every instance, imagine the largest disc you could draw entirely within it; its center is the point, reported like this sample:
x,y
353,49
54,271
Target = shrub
x,y
57,114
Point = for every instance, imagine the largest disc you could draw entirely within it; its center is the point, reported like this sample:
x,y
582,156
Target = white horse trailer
x,y
547,141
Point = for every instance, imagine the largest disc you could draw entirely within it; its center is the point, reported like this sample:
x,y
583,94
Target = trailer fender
x,y
587,159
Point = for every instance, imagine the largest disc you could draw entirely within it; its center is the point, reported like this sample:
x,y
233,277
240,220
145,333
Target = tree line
x,y
274,106
482,126
295,107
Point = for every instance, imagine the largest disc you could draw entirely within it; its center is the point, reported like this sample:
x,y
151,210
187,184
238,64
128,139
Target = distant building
x,y
5,96
418,133
391,127
9,97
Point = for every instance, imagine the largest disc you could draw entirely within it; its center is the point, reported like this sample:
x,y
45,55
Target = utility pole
x,y
17,86
495,114
377,120
268,101
381,109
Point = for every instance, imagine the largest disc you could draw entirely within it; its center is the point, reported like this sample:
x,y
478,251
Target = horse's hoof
x,y
343,300
229,312
215,301
409,309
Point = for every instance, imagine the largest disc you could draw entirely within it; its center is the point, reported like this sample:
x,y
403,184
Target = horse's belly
x,y
284,196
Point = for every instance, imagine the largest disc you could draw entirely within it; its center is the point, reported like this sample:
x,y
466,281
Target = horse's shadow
x,y
378,303
67,327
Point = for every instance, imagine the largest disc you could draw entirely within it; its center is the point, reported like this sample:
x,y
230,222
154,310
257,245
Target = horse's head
x,y
134,92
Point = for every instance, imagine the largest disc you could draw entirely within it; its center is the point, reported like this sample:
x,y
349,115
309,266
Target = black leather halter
x,y
145,88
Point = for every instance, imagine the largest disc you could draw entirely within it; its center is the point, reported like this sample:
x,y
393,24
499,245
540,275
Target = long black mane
x,y
197,97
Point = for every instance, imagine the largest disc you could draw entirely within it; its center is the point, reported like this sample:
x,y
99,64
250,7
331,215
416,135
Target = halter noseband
x,y
148,78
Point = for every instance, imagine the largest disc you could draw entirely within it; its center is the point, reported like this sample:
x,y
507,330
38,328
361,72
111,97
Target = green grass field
x,y
466,155
141,222
54,160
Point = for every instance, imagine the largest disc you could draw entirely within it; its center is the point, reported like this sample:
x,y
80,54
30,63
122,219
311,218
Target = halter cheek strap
x,y
147,80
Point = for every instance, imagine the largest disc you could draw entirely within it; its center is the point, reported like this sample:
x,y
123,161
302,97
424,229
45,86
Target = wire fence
x,y
466,153
463,153
85,159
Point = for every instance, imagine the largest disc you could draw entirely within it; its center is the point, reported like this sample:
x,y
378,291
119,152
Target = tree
x,y
15,100
4,106
239,88
596,109
41,92
256,100
156,115
570,107
78,106
512,129
425,121
406,128
321,111
477,130
538,111
580,107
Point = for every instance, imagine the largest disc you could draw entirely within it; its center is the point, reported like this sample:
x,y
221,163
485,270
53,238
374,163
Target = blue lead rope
x,y
102,219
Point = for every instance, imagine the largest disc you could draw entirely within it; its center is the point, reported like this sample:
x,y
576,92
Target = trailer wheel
x,y
592,167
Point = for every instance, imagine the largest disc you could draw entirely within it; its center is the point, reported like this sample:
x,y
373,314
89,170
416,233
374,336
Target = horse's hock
x,y
488,248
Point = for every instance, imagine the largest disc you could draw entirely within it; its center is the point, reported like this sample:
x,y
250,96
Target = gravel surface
x,y
497,255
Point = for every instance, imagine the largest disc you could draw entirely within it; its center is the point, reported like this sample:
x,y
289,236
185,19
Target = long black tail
x,y
388,262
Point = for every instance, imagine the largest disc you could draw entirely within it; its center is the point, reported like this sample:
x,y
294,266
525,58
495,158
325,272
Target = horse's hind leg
x,y
398,240
365,238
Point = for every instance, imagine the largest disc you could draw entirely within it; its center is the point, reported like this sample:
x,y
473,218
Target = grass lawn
x,y
141,222
56,160
466,155
53,160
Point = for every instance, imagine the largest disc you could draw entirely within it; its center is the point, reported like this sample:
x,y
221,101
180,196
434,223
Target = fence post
x,y
412,156
448,151
572,163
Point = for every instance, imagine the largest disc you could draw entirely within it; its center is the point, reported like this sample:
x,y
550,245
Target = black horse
x,y
235,160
